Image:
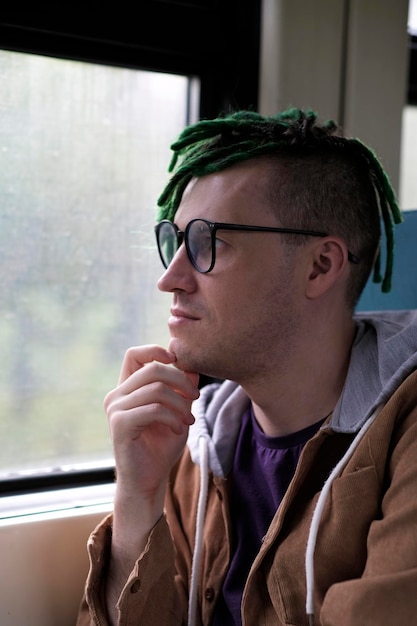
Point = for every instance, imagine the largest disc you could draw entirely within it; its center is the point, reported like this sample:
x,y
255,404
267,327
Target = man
x,y
286,494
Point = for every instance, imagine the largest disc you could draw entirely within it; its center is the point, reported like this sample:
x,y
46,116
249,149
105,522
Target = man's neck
x,y
307,391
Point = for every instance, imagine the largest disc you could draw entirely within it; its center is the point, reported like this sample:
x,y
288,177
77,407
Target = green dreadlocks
x,y
213,145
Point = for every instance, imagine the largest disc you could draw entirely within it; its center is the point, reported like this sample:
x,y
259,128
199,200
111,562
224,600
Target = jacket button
x,y
135,587
209,594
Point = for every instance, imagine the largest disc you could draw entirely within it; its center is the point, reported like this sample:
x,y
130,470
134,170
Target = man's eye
x,y
205,241
203,244
200,245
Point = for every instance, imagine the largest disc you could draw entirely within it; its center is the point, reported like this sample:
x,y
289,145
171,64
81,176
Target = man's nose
x,y
180,274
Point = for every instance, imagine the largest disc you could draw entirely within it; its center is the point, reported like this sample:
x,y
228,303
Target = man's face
x,y
241,318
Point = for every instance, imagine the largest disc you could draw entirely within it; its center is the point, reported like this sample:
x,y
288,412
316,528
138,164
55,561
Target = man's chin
x,y
189,361
185,360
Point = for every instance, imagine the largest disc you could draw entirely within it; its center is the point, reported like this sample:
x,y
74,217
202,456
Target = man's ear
x,y
328,263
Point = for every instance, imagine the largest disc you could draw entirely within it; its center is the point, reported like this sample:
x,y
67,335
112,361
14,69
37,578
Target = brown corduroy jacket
x,y
365,557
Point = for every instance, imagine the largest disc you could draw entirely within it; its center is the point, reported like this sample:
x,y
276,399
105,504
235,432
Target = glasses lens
x,y
166,236
199,245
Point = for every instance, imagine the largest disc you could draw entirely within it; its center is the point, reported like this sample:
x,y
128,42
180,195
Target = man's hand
x,y
149,414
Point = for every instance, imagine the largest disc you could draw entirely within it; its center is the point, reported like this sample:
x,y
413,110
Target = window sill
x,y
57,503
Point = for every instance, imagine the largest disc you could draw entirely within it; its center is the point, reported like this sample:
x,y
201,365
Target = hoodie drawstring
x,y
198,547
314,527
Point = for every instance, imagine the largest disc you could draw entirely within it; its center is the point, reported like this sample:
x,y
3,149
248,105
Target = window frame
x,y
216,42
412,70
219,42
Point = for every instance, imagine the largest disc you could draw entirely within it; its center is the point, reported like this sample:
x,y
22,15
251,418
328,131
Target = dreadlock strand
x,y
377,278
203,164
388,208
389,235
206,129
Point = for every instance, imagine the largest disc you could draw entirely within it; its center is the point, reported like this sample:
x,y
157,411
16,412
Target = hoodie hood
x,y
384,353
218,412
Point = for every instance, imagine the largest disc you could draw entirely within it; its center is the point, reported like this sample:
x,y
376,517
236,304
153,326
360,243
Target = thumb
x,y
194,377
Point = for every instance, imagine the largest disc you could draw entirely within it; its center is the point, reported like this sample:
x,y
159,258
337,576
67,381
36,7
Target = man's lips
x,y
178,314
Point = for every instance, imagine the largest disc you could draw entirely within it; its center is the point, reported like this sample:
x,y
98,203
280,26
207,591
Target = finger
x,y
152,394
156,372
156,394
154,383
193,377
136,357
132,423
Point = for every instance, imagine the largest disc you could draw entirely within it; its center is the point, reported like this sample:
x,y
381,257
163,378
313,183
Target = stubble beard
x,y
244,358
193,360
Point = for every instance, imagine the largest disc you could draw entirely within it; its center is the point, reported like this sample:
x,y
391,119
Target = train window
x,y
408,181
85,149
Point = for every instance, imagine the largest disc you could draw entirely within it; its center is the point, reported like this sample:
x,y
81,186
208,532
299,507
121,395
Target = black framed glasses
x,y
199,237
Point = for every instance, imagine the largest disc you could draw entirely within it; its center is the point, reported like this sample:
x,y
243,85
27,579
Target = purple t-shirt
x,y
262,470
